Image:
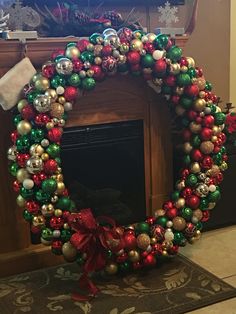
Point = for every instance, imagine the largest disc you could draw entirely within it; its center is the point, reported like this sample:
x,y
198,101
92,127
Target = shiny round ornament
x,y
57,110
12,153
134,256
34,165
28,184
179,223
22,174
72,53
109,64
42,103
111,268
42,84
143,241
202,190
64,66
23,127
69,252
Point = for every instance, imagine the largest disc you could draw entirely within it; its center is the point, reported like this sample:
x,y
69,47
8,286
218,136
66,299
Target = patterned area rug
x,y
175,287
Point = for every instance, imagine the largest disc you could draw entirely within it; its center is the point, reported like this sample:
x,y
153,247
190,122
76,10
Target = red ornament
x,y
55,134
130,241
207,162
58,52
208,121
106,50
98,74
196,155
170,43
158,231
157,249
222,137
149,260
167,205
28,112
50,166
35,229
21,159
77,65
187,134
198,120
71,93
133,57
172,213
149,47
48,70
187,192
184,173
150,220
56,223
206,134
193,201
219,178
14,136
16,186
199,72
65,215
82,44
183,61
122,258
192,90
109,64
170,80
42,119
38,178
175,99
205,215
57,246
190,229
160,66
27,89
192,115
32,207
125,34
137,266
173,250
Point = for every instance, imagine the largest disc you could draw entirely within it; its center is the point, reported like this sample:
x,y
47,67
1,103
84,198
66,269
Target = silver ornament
x,y
28,184
45,142
202,190
56,233
112,40
87,65
202,176
34,165
42,103
68,106
64,66
109,31
11,153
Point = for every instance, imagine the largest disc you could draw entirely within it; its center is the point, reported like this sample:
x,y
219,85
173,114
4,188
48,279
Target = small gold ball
x,y
199,104
90,73
23,127
66,226
98,60
22,174
175,68
198,214
45,156
164,253
201,83
52,94
179,90
136,45
42,84
47,210
20,201
21,104
202,94
38,221
195,167
195,127
49,125
215,130
191,62
214,138
180,203
36,150
206,147
58,212
60,187
111,268
184,69
151,37
69,251
134,256
187,147
59,177
61,100
159,213
153,240
97,50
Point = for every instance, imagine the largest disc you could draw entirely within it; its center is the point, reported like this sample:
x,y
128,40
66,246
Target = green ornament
x,y
196,141
214,197
223,150
27,216
186,213
186,160
42,196
175,195
124,267
186,102
147,61
95,38
47,234
217,158
23,143
72,205
123,67
32,95
191,180
167,90
185,122
174,53
13,169
213,108
88,83
191,72
199,225
71,45
142,227
87,56
17,119
162,220
80,261
219,118
57,80
58,58
63,203
49,186
37,135
65,235
74,80
179,239
183,79
136,73
109,254
58,160
53,150
208,86
204,203
161,41
26,193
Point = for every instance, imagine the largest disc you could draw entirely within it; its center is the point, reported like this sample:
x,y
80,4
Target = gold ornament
x,y
223,166
157,81
179,90
37,76
21,175
198,214
206,147
164,253
98,60
122,59
179,223
143,241
201,83
214,171
72,52
211,205
153,241
62,100
23,127
45,156
58,212
195,127
42,84
57,110
134,256
159,213
60,188
49,125
215,130
199,104
47,210
180,185
202,94
187,147
38,221
52,94
175,68
180,203
59,177
69,252
90,73
21,104
97,50
36,150
195,167
191,62
151,37
214,138
184,69
111,268
90,47
20,201
66,226
136,45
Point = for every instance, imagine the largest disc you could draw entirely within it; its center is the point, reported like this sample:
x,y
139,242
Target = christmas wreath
x,y
98,243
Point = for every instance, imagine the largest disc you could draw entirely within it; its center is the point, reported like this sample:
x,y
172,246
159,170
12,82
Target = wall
x,y
232,96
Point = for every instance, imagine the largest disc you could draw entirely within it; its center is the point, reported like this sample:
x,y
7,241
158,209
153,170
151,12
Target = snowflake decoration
x,y
168,14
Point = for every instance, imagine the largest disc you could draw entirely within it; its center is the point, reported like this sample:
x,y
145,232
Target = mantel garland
x,y
99,244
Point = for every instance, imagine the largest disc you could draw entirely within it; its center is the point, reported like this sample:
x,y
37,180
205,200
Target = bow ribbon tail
x,y
85,283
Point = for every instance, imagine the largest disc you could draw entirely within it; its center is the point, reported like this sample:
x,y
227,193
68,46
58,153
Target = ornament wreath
x,y
98,243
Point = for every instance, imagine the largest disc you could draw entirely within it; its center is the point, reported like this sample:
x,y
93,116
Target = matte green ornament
x,y
174,53
13,168
162,220
208,86
42,196
49,186
63,203
58,80
27,216
179,239
191,180
183,79
191,72
214,197
87,56
219,118
37,135
47,234
142,227
53,150
161,41
26,193
32,95
196,141
204,203
23,143
186,213
17,119
175,195
147,61
186,102
74,80
65,235
88,83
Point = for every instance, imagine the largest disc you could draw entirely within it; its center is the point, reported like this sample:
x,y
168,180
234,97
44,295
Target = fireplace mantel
x,y
119,98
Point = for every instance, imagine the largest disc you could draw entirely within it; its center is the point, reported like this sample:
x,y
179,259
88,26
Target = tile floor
x,y
216,252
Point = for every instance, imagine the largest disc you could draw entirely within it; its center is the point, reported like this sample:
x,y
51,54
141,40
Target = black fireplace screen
x,y
103,166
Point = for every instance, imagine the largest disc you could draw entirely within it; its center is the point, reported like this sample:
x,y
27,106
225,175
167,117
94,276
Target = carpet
x,y
175,287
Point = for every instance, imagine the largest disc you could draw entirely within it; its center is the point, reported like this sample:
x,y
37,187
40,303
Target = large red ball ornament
x,y
149,260
125,33
208,121
149,47
160,66
56,223
106,50
21,159
170,80
196,155
206,134
109,64
192,115
71,93
192,90
207,162
130,241
48,70
28,112
55,134
97,72
172,213
50,166
133,57
77,65
193,202
82,44
32,207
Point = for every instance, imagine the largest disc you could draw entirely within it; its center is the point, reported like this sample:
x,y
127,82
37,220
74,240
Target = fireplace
x,y
103,166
